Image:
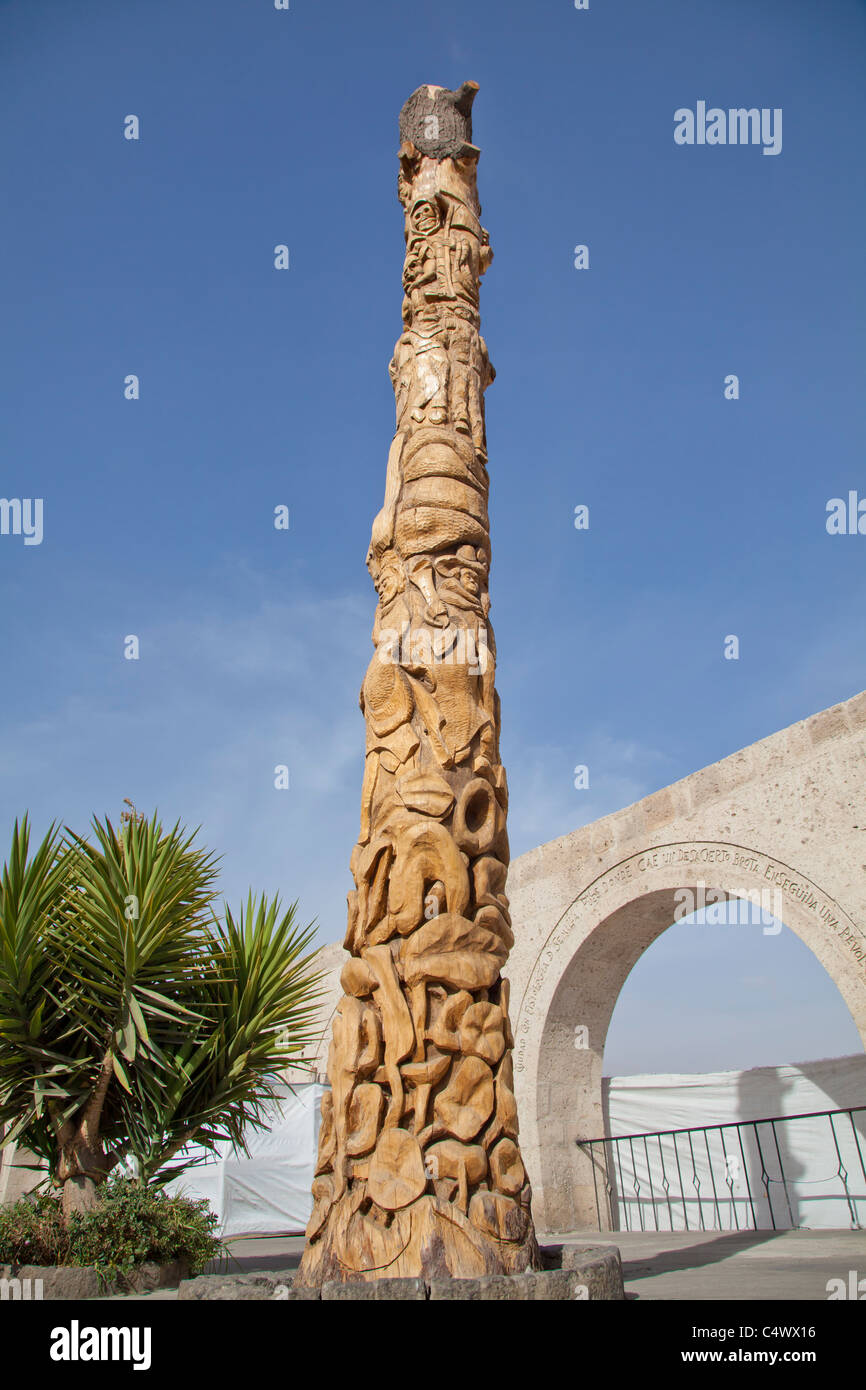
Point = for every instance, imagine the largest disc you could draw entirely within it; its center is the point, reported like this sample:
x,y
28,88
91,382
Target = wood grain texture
x,y
419,1171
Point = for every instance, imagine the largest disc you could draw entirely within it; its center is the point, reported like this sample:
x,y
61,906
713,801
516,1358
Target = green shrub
x,y
136,1224
133,1224
32,1232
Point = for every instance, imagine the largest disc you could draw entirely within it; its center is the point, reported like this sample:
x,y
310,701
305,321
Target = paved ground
x,y
749,1265
678,1265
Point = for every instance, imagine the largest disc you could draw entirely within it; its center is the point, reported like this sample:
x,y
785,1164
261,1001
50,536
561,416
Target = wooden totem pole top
x,y
419,1171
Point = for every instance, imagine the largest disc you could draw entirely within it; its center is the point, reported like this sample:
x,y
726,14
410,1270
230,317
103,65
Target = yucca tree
x,y
133,1018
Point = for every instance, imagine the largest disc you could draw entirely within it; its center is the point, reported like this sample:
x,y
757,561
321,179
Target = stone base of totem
x,y
429,1240
589,1274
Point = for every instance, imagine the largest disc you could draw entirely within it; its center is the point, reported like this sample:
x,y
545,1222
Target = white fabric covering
x,y
815,1194
269,1192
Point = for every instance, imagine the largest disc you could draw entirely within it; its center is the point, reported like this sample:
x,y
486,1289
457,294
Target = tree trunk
x,y
81,1170
80,1194
419,1170
81,1161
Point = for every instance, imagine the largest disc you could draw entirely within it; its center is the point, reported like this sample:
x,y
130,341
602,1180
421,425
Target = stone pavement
x,y
746,1265
672,1265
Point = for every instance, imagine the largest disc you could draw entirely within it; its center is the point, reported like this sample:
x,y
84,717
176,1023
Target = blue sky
x,y
259,387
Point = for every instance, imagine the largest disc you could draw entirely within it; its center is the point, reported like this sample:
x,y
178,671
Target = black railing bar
x,y
728,1124
748,1184
607,1188
842,1172
856,1141
812,1200
650,1176
782,1168
712,1180
666,1187
765,1177
636,1183
696,1182
622,1189
682,1187
595,1186
729,1178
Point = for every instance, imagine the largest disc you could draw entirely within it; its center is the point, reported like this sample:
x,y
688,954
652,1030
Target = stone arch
x,y
583,964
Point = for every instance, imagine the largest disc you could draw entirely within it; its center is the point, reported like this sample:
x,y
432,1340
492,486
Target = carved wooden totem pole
x,y
419,1171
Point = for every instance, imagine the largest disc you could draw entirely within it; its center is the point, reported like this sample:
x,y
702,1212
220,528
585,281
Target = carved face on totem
x,y
417,253
389,579
462,578
425,218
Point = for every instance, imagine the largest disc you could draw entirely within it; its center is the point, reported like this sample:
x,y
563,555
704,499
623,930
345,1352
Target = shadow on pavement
x,y
694,1256
252,1253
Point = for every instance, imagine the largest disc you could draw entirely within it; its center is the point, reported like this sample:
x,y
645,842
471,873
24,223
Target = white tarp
x,y
803,1172
269,1192
709,1176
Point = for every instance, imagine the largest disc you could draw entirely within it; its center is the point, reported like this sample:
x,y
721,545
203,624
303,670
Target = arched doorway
x,y
578,973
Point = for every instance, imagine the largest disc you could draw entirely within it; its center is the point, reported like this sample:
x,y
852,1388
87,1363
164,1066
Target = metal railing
x,y
746,1175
